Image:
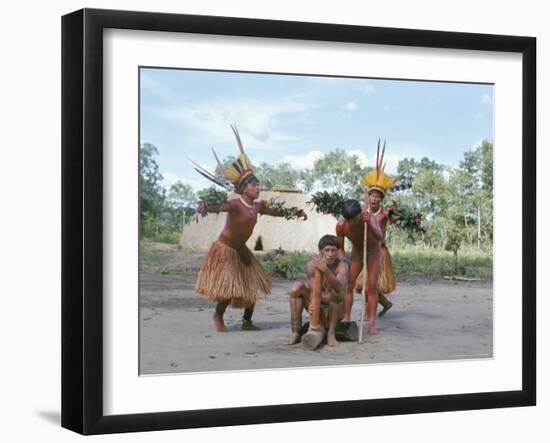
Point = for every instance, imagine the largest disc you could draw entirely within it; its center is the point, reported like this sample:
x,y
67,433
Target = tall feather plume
x,y
238,137
382,157
207,174
220,164
213,179
378,160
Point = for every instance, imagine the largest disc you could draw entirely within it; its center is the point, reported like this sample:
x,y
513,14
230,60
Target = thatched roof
x,y
270,232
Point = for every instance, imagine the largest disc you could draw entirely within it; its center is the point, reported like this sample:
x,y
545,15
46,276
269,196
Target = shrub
x,y
289,265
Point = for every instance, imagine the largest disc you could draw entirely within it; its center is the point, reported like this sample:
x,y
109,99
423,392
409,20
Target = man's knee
x,y
298,289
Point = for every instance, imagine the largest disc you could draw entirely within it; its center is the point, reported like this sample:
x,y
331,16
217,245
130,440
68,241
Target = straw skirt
x,y
386,279
232,276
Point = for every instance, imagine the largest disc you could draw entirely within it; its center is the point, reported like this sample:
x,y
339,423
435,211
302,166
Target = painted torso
x,y
240,222
355,231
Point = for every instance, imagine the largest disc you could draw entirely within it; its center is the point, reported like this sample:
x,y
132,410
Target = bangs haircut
x,y
327,240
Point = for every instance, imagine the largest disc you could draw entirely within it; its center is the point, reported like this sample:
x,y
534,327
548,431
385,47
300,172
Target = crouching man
x,y
321,296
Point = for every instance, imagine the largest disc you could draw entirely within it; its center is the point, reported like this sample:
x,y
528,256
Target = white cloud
x,y
257,121
153,86
486,99
351,106
392,161
303,161
397,151
368,88
307,160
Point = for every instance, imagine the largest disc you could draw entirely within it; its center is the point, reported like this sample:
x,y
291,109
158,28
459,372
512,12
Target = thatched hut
x,y
270,232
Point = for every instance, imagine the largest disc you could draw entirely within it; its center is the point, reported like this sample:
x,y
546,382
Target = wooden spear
x,y
364,291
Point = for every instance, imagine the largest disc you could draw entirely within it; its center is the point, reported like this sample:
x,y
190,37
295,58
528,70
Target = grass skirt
x,y
232,276
386,279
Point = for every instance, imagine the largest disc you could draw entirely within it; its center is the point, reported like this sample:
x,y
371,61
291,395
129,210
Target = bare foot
x,y
372,329
346,319
217,319
293,339
331,340
386,309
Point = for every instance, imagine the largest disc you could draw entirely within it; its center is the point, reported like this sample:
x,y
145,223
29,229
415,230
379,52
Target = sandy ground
x,y
430,320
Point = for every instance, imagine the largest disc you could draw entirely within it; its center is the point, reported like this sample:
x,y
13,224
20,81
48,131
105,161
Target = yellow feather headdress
x,y
377,179
241,168
238,173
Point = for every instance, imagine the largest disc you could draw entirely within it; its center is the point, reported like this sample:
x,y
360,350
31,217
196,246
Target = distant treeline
x,y
456,203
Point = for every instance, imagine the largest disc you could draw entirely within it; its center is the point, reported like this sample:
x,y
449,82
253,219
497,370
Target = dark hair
x,y
327,240
239,188
350,209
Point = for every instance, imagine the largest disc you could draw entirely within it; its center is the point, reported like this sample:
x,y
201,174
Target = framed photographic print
x,y
227,180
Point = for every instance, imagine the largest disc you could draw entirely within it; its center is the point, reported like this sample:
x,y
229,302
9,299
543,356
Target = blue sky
x,y
295,119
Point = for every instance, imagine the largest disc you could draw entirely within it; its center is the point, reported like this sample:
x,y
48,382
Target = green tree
x,y
337,171
410,168
181,195
182,201
478,164
431,191
281,175
455,238
151,193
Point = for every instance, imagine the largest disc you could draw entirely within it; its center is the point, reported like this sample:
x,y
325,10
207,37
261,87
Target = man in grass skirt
x,y
230,274
380,274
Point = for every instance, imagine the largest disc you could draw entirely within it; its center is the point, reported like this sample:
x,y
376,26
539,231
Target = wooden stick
x,y
364,291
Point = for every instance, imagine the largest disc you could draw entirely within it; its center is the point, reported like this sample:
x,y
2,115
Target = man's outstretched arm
x,y
204,207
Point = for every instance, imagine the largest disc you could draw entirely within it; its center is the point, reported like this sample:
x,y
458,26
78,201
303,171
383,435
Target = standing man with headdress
x,y
380,276
230,274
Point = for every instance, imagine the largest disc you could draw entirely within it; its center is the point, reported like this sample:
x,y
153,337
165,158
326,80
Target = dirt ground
x,y
430,320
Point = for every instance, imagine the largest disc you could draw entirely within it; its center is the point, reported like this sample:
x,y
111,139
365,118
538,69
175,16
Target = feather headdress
x,y
239,173
377,179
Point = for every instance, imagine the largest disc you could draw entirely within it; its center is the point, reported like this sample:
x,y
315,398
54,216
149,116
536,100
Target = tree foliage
x,y
338,171
151,193
454,203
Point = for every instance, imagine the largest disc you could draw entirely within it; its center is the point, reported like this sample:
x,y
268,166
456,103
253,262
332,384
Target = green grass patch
x,y
151,252
437,263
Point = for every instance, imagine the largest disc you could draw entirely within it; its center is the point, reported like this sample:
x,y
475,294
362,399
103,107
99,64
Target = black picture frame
x,y
82,218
